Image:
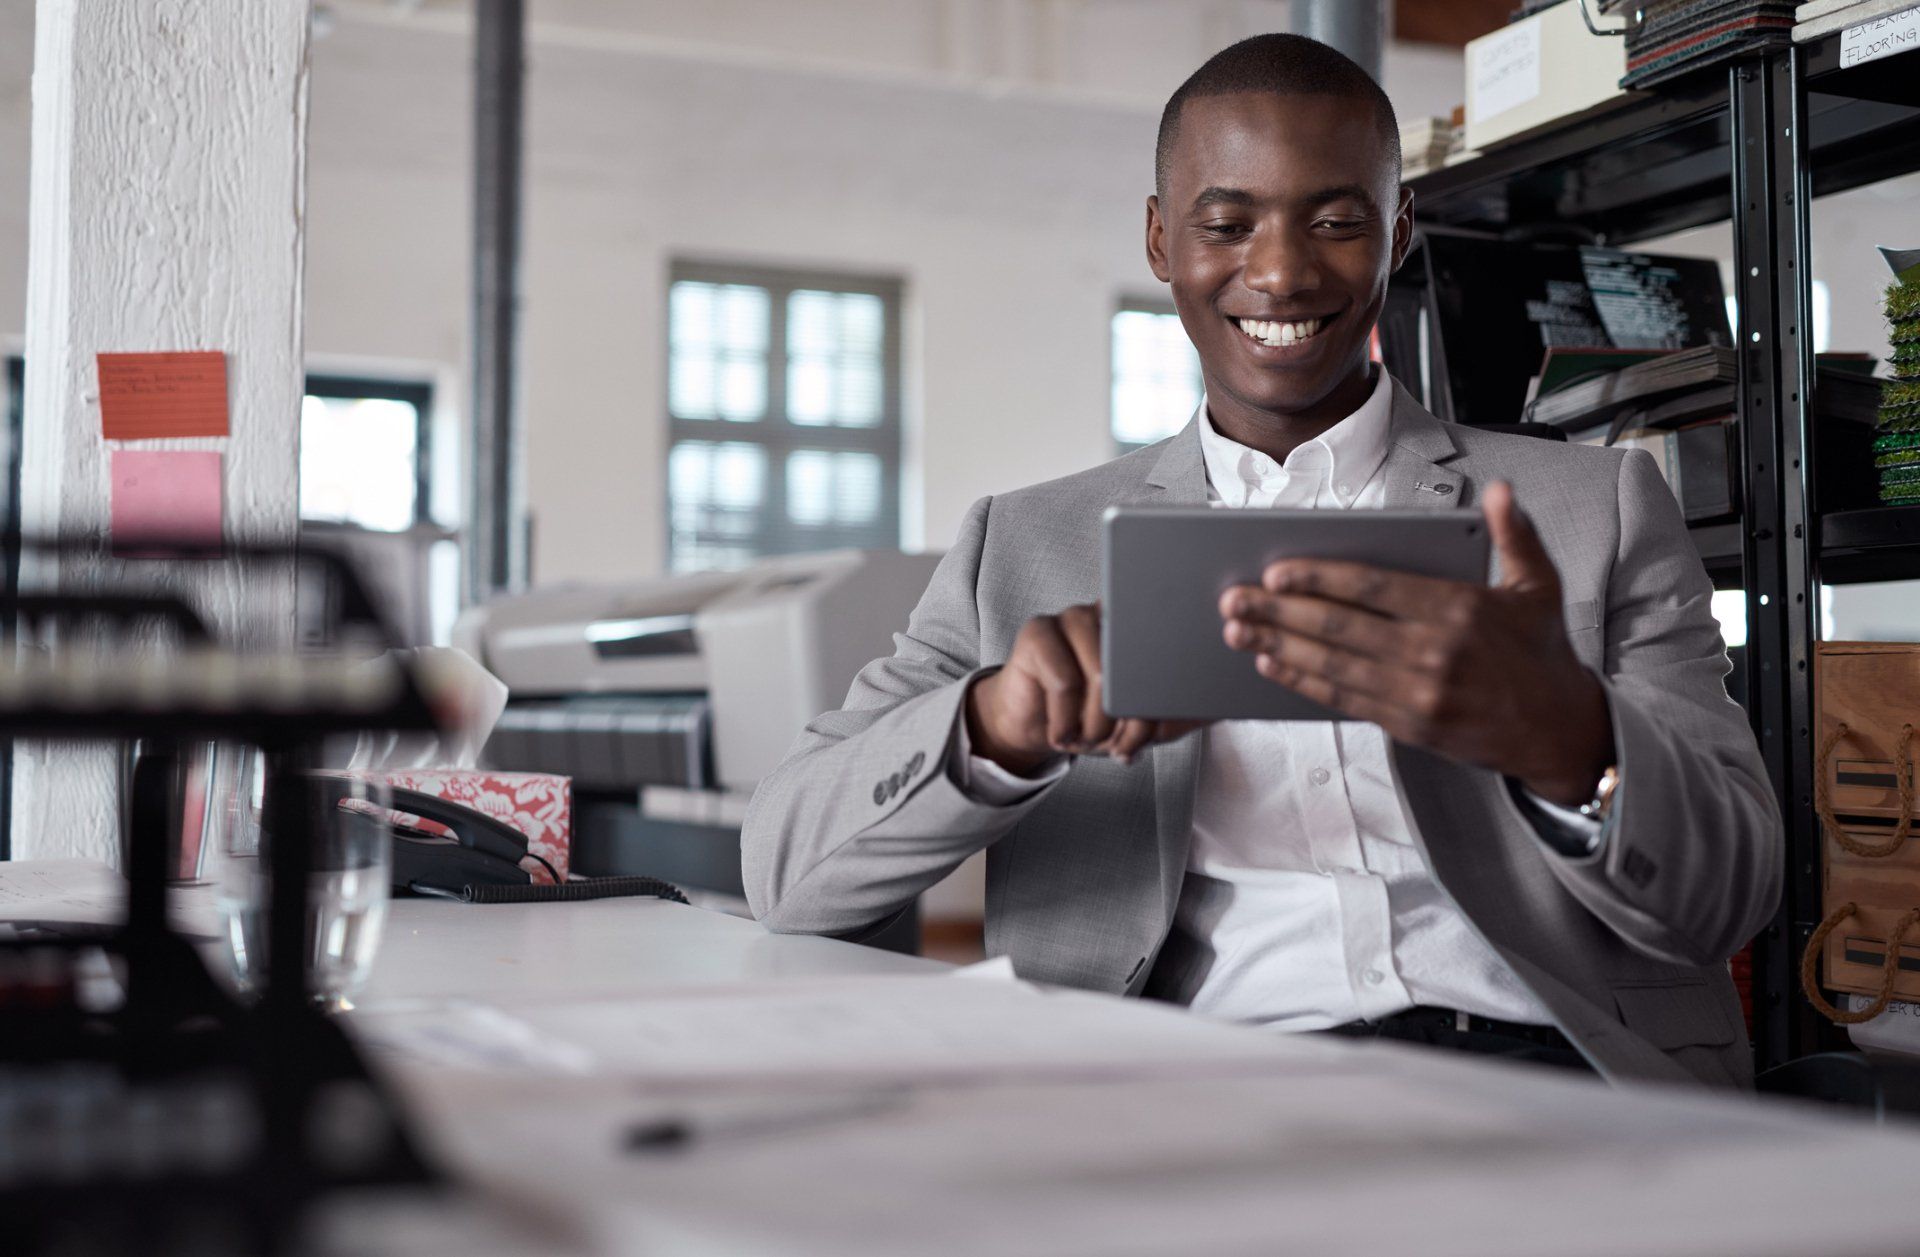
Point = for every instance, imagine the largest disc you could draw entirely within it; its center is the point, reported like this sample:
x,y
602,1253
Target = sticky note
x,y
143,396
165,496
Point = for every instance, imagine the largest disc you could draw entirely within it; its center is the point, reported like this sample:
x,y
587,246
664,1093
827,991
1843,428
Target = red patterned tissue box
x,y
539,805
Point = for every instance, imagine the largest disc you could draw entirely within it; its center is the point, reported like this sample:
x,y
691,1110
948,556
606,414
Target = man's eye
x,y
1221,229
1343,224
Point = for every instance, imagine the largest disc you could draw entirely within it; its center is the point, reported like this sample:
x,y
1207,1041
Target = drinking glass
x,y
350,864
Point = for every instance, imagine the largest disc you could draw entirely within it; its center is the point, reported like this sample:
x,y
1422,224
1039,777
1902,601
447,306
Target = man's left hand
x,y
1480,674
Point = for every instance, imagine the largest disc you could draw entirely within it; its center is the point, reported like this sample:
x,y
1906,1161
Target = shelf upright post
x,y
1770,198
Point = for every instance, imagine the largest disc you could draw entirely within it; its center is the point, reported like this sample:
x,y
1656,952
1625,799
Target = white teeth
x,y
1276,334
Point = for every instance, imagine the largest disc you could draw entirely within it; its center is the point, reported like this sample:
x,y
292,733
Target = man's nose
x,y
1281,263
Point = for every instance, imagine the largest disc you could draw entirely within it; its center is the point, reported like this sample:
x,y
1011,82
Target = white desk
x,y
1260,1145
612,946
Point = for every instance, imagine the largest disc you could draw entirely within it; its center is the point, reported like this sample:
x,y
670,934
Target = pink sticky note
x,y
165,496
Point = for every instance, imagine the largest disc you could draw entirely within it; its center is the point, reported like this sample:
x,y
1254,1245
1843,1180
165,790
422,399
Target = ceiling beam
x,y
1451,23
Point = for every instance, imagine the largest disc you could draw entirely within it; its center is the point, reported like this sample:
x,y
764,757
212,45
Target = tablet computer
x,y
1163,655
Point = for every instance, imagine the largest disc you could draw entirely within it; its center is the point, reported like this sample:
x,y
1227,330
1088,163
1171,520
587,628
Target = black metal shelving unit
x,y
1752,143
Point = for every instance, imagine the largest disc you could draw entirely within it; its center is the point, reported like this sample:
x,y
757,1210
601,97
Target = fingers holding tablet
x,y
1256,620
1047,700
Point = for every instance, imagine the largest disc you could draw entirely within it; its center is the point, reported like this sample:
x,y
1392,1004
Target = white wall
x,y
1013,226
994,155
16,72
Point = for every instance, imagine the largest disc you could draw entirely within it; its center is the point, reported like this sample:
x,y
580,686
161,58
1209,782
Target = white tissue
x,y
466,699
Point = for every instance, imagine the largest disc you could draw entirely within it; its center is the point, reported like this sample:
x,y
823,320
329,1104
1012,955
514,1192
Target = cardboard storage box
x,y
1874,689
1541,70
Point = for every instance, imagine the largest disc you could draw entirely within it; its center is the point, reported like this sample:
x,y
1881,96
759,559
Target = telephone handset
x,y
480,859
481,851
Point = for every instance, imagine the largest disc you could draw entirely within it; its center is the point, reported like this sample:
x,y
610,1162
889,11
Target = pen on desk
x,y
671,1134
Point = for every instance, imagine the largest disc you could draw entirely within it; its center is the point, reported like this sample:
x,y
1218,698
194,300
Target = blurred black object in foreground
x,y
142,1107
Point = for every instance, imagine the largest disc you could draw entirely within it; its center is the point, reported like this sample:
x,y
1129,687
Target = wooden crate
x,y
1874,688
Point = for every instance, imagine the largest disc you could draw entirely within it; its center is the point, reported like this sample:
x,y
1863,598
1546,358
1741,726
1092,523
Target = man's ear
x,y
1157,241
1402,228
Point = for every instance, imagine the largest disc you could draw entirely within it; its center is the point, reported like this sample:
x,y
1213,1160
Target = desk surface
x,y
1184,1136
605,946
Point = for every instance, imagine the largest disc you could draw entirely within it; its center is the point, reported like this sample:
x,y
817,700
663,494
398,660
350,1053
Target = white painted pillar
x,y
167,213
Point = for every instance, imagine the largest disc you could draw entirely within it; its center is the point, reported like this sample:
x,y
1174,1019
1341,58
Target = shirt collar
x,y
1350,452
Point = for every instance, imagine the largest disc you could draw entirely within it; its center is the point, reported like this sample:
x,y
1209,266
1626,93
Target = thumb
x,y
1523,560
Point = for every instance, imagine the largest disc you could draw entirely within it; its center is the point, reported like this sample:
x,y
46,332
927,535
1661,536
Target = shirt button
x,y
1346,490
1373,977
1319,776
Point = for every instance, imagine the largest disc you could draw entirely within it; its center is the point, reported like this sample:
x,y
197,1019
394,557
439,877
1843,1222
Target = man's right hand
x,y
1045,701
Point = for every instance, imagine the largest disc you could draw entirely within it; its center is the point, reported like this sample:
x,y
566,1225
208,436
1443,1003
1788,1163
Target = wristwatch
x,y
1600,806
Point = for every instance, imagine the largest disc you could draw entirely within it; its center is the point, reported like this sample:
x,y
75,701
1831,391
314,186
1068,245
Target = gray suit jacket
x,y
1627,949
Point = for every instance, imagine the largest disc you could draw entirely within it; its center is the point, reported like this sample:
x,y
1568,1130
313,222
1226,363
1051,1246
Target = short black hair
x,y
1285,65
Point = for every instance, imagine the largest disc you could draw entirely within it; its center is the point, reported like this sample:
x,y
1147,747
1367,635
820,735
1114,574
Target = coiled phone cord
x,y
564,892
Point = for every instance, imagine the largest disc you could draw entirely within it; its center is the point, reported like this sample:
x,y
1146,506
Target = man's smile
x,y
1282,334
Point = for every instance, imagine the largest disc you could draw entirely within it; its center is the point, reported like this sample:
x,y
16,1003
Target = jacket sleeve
x,y
864,813
1692,867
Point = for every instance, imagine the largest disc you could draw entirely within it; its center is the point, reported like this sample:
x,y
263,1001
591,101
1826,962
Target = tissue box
x,y
539,805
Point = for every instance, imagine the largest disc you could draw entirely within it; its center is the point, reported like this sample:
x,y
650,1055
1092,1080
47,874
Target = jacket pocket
x,y
1584,614
1676,1014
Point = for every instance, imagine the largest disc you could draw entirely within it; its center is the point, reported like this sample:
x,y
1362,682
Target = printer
x,y
697,681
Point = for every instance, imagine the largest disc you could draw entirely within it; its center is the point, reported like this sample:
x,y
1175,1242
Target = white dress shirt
x,y
1303,883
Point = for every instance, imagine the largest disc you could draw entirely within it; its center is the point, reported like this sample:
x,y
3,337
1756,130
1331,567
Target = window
x,y
1156,374
783,400
366,479
15,413
1822,302
364,452
14,380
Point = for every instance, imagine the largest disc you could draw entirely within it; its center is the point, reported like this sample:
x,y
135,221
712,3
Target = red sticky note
x,y
165,496
143,396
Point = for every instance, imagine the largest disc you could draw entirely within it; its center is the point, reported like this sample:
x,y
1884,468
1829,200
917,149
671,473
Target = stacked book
x,y
1680,406
1457,150
1823,17
1668,38
1896,439
1424,145
1582,388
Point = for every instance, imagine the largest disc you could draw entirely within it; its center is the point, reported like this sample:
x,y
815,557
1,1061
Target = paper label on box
x,y
1504,71
1879,38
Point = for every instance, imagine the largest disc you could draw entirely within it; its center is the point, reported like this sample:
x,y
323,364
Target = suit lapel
x,y
1417,446
1181,472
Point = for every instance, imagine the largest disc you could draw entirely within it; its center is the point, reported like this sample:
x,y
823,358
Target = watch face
x,y
1603,793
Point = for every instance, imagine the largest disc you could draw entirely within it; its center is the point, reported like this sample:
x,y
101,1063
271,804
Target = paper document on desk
x,y
69,891
905,1030
997,969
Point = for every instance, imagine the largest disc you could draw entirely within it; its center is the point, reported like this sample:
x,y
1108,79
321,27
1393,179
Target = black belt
x,y
1425,1017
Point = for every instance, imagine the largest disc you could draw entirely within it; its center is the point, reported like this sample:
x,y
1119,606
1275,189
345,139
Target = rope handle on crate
x,y
1823,801
1810,967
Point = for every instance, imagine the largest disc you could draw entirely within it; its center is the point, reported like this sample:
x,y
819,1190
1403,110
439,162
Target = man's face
x,y
1281,221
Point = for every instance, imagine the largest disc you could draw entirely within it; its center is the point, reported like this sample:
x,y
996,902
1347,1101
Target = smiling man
x,y
1541,828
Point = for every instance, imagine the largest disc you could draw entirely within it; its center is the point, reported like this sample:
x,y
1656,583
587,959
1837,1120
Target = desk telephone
x,y
478,859
476,850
